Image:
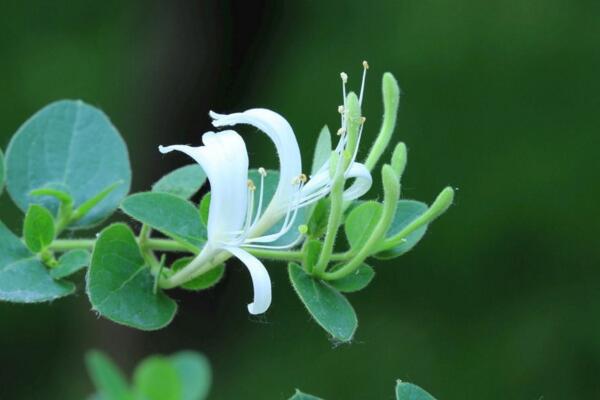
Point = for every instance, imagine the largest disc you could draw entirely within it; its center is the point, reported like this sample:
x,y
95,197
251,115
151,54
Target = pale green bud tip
x,y
399,159
390,87
442,202
391,182
353,105
303,229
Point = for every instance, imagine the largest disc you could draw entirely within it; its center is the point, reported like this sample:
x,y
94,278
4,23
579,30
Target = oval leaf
x,y
183,182
194,373
120,286
156,378
204,281
356,281
72,147
361,221
408,391
107,377
23,278
38,228
406,212
69,263
172,215
328,307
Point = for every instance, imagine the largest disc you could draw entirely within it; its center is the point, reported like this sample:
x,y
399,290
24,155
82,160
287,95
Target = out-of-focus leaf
x,y
408,391
156,378
322,150
194,373
108,379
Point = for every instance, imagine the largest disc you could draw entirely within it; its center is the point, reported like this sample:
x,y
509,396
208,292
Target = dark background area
x,y
501,300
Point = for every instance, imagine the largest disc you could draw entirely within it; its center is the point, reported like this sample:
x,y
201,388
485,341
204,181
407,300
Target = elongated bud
x,y
353,122
391,101
333,163
391,185
440,204
399,159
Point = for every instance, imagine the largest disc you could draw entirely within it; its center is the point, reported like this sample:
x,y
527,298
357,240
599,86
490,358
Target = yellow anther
x,y
341,109
365,65
251,185
362,120
341,131
302,178
344,77
262,172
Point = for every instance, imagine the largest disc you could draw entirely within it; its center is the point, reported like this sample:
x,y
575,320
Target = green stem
x,y
391,192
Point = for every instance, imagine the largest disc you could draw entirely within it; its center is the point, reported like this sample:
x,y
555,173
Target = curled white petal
x,y
362,181
261,281
282,135
224,159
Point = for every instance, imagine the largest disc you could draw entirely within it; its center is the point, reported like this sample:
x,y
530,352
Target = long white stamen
x,y
362,85
263,174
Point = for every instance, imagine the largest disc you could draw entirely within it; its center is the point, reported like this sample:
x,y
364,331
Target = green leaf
x,y
72,147
317,224
23,278
194,373
356,281
406,212
269,187
156,378
361,221
312,252
408,391
322,150
204,208
327,306
108,379
303,396
204,281
38,228
172,215
69,263
183,182
1,171
120,286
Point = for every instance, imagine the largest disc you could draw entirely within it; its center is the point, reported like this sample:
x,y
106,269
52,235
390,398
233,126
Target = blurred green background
x,y
500,100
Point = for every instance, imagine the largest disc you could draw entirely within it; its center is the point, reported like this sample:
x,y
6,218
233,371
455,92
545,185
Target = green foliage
x,y
322,150
356,281
38,228
317,224
406,212
303,396
72,147
108,379
183,376
183,182
195,374
1,171
120,285
204,281
204,208
69,263
408,391
327,306
169,214
156,378
361,221
23,278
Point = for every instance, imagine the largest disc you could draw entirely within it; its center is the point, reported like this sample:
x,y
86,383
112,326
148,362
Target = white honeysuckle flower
x,y
224,159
